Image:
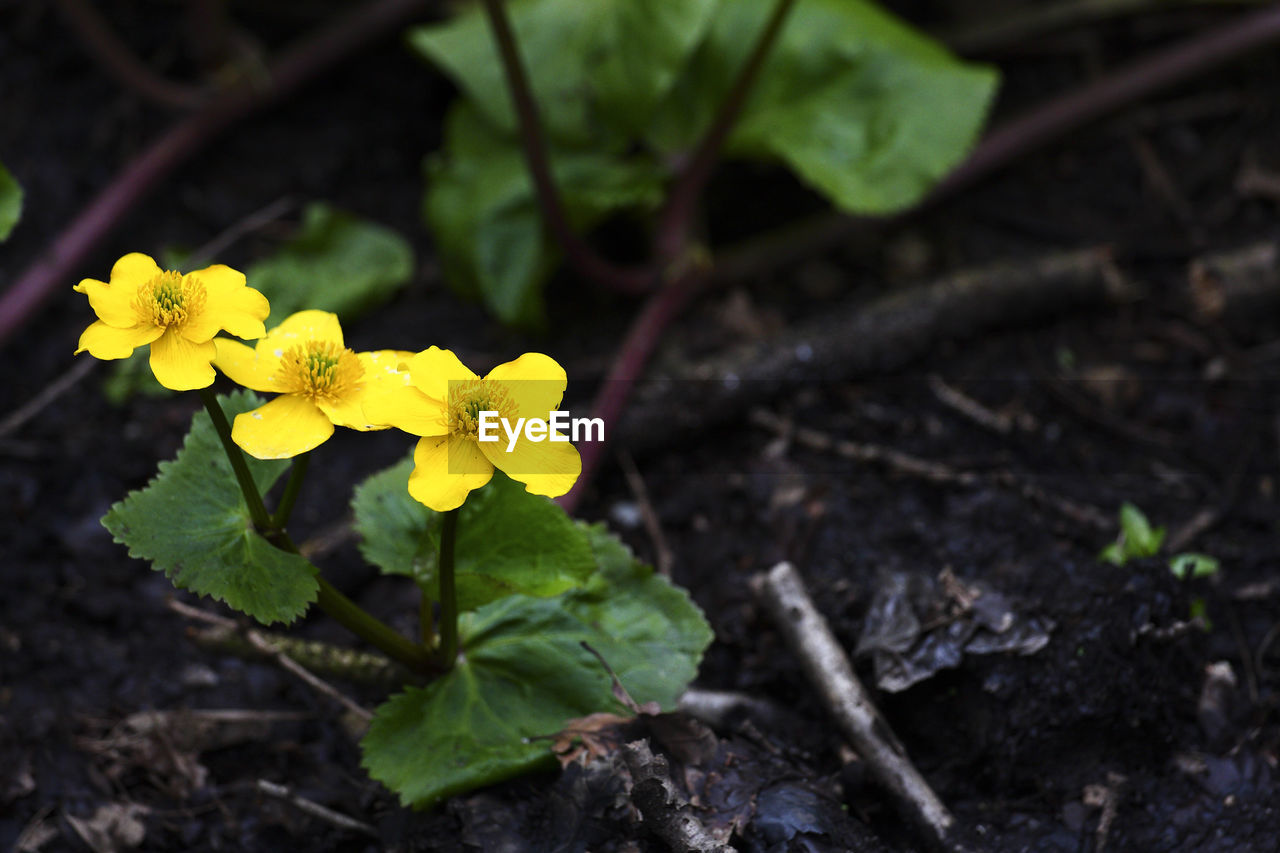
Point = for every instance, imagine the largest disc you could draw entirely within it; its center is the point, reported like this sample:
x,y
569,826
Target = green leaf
x,y
597,69
863,108
509,541
1139,538
1193,565
524,674
192,523
337,262
481,208
10,203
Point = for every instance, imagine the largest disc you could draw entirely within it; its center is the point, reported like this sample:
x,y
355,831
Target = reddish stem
x,y
628,364
297,66
579,255
120,62
677,217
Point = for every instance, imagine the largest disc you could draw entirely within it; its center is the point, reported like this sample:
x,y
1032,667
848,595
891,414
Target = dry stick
x,y
271,650
652,525
667,814
120,62
1083,515
48,396
782,593
314,809
297,66
860,339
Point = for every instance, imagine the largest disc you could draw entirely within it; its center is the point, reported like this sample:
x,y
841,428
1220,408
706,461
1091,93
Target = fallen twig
x,y
227,635
302,804
859,339
666,812
662,552
1083,515
46,397
782,593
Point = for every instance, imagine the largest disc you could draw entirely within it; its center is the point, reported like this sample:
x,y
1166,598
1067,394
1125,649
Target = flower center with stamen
x,y
320,370
170,299
468,398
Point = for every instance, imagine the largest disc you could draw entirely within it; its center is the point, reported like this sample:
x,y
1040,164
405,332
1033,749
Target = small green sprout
x,y
1138,539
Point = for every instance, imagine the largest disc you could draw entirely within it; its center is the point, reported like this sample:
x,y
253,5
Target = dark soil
x,y
1112,735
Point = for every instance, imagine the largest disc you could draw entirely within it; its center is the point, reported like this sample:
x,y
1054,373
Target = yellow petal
x,y
535,381
381,374
300,328
134,270
113,305
406,408
180,364
229,305
108,342
241,364
385,366
545,467
288,425
445,471
432,369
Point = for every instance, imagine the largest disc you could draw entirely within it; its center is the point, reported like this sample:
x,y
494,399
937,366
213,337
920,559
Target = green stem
x,y
427,621
448,591
343,610
358,621
297,474
257,509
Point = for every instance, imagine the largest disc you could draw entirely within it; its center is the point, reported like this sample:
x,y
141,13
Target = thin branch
x,y
579,255
807,634
120,62
268,649
297,66
316,810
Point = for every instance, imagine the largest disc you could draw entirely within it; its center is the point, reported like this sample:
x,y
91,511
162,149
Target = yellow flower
x,y
177,314
443,402
320,382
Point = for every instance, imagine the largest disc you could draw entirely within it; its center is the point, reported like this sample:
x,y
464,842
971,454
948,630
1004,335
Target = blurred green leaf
x,y
10,203
865,109
597,69
1193,565
192,523
509,541
1139,537
337,262
524,674
481,208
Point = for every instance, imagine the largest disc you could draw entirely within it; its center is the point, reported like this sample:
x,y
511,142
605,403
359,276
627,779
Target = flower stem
x,y
257,509
341,609
297,473
448,591
369,628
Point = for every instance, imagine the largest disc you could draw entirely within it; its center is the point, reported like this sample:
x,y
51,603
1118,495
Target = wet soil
x,y
1133,728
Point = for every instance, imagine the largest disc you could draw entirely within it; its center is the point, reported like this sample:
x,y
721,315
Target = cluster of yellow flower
x,y
321,383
